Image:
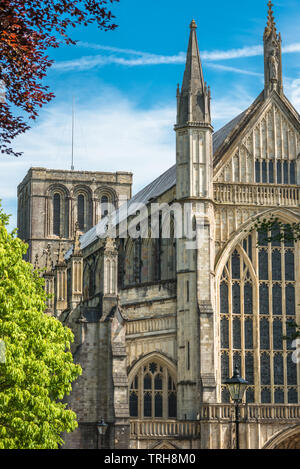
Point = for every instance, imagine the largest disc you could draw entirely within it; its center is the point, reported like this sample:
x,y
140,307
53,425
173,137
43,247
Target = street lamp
x,y
236,387
102,428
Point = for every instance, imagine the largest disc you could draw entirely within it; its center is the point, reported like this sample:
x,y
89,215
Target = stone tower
x,y
52,201
194,192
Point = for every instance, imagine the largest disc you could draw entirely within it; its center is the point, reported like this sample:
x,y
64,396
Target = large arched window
x,y
257,305
104,206
56,214
152,392
81,212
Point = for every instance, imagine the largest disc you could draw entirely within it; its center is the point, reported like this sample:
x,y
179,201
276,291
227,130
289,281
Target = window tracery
x,y
256,306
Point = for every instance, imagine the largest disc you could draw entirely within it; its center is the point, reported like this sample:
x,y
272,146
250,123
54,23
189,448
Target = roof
x,y
161,184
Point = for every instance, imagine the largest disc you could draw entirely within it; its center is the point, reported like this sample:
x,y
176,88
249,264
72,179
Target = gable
x,y
264,150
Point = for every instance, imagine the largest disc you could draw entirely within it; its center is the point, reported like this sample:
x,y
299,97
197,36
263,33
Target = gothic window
x,y
104,206
56,214
80,211
256,311
152,392
265,172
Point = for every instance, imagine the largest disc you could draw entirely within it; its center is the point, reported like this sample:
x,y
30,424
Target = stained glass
x,y
290,299
236,298
224,298
278,369
153,367
224,367
264,334
56,214
80,211
263,299
248,333
235,265
158,404
237,333
224,333
276,265
225,396
292,173
277,334
286,172
265,376
172,404
133,404
248,298
279,396
249,368
237,361
265,396
147,382
291,368
264,171
147,404
277,299
271,172
279,172
158,382
289,266
263,265
250,395
257,171
292,396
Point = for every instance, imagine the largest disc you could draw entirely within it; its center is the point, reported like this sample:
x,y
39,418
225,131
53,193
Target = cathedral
x,y
163,316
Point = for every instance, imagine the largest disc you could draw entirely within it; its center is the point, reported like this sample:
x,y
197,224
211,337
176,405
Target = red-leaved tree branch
x,y
28,28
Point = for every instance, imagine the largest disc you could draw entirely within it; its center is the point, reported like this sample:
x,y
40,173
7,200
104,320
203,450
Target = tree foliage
x,y
38,368
27,29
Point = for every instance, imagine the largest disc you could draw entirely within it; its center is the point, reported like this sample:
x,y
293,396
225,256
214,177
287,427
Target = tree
x,y
27,29
38,369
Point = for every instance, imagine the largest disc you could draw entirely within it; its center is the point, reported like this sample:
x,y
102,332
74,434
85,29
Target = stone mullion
x,y
242,319
270,319
256,325
230,341
165,390
141,393
284,353
297,303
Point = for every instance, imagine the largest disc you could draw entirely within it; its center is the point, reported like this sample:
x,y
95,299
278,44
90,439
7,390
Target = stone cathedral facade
x,y
159,326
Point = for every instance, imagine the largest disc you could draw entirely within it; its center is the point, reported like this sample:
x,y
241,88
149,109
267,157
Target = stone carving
x,y
273,66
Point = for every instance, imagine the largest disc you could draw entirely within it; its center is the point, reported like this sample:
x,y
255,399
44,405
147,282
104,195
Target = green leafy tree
x,y
38,368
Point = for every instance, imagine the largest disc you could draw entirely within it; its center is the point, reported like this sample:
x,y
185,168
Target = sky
x,y
123,84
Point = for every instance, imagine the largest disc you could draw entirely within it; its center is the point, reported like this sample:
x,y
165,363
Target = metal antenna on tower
x,y
72,164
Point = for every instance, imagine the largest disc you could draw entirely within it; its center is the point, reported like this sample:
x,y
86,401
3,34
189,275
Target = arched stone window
x,y
104,206
152,392
81,212
57,209
257,304
56,214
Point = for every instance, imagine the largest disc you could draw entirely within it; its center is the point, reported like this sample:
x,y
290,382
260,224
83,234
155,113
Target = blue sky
x,y
124,85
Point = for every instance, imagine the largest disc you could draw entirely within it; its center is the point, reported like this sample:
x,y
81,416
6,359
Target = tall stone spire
x,y
193,101
272,55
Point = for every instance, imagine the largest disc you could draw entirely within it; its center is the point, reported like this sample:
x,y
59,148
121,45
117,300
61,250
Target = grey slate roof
x,y
161,184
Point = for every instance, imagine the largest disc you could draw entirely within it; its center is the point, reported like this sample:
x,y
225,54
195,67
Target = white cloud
x,y
144,58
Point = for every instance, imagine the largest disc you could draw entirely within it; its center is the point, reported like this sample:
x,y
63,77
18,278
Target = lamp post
x,y
102,428
236,387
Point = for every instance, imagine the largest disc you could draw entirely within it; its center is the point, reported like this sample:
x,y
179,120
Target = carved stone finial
x,y
77,249
36,262
48,263
193,25
110,245
60,257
